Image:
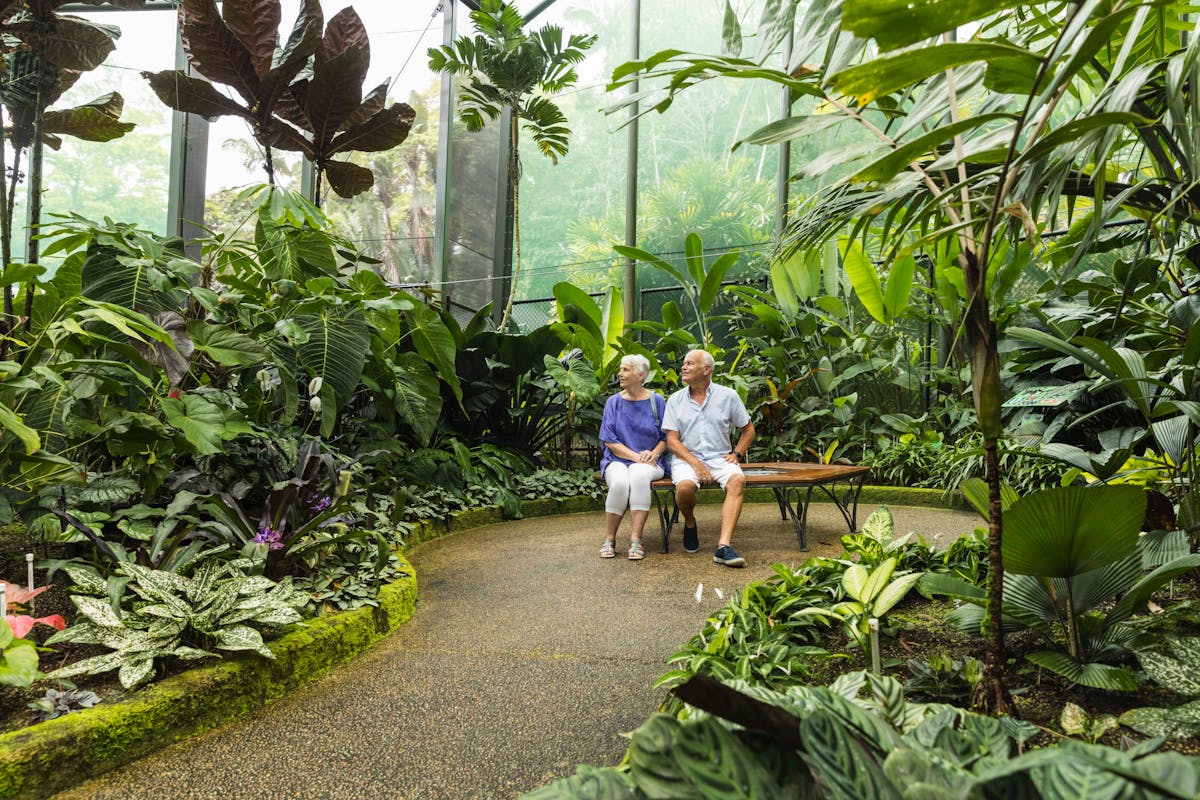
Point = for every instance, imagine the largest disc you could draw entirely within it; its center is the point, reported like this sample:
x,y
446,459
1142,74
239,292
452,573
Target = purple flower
x,y
272,538
318,502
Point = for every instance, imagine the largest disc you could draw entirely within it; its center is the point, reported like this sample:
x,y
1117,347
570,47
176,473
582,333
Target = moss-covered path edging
x,y
42,759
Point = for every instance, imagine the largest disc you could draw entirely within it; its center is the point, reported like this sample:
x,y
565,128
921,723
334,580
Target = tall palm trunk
x,y
36,149
991,694
514,184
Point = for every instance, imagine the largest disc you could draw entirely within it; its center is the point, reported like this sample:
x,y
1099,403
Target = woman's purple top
x,y
633,424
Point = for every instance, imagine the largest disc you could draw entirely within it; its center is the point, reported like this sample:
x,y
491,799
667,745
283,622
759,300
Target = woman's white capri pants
x,y
629,486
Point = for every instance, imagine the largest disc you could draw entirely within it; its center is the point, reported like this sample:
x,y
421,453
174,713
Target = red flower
x,y
173,394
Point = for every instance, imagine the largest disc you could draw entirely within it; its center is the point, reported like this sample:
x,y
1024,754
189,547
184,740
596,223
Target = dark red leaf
x,y
301,44
214,51
73,44
334,92
256,25
291,103
344,32
285,137
383,131
371,105
192,95
348,179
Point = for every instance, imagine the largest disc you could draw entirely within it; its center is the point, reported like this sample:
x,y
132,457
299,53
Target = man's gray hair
x,y
639,363
709,361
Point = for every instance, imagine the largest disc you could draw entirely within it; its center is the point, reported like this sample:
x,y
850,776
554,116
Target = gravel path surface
x,y
528,654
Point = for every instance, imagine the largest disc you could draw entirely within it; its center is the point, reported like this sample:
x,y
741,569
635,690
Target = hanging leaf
x,y
382,131
191,95
347,179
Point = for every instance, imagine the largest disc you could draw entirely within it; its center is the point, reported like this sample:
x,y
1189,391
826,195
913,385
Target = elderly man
x,y
699,420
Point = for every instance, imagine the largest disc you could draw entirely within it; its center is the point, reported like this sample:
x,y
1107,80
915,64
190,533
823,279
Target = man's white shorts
x,y
721,469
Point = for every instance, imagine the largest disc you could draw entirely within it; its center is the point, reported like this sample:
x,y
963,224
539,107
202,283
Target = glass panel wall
x,y
573,212
394,220
690,179
125,178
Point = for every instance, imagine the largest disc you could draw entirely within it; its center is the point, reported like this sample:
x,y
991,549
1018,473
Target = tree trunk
x,y
991,694
36,149
514,178
7,322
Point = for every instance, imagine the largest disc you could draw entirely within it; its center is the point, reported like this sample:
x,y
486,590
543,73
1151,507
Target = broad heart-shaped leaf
x,y
203,423
382,131
255,23
20,665
338,341
890,73
865,279
97,121
225,345
213,50
896,23
347,179
192,95
1070,530
1097,676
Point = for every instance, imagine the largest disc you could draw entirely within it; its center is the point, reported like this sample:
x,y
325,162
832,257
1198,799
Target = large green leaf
x,y
864,278
1176,723
203,423
1175,665
1098,676
336,349
225,345
111,276
12,422
887,74
896,23
434,341
899,286
1070,530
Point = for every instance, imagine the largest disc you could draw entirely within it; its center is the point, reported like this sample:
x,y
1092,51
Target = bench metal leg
x,y
848,503
666,516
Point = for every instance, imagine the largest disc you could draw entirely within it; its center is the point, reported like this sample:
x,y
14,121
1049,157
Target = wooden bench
x,y
784,478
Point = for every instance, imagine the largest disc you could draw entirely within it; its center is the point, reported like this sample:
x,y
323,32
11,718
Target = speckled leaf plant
x,y
168,615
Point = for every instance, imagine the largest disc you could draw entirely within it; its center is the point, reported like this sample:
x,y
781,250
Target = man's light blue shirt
x,y
705,429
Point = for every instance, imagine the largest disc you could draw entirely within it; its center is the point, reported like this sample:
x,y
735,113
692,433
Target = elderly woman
x,y
634,453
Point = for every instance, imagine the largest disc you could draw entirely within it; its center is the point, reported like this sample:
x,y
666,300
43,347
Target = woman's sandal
x,y
636,553
606,549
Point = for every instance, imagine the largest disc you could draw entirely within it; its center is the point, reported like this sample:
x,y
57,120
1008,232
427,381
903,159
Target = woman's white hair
x,y
639,362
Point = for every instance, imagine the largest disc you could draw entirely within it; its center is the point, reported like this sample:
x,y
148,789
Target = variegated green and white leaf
x,y
894,592
136,671
854,580
98,610
242,637
1178,668
86,579
1181,722
880,525
89,666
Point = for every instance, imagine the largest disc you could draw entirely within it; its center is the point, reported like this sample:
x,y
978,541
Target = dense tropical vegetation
x,y
207,445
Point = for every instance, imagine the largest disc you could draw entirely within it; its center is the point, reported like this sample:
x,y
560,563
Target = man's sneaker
x,y
728,556
691,539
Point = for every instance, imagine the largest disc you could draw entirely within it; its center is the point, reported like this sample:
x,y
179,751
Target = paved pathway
x,y
528,654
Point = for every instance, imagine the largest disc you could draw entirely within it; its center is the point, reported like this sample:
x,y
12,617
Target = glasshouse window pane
x,y
573,212
690,179
394,220
125,178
